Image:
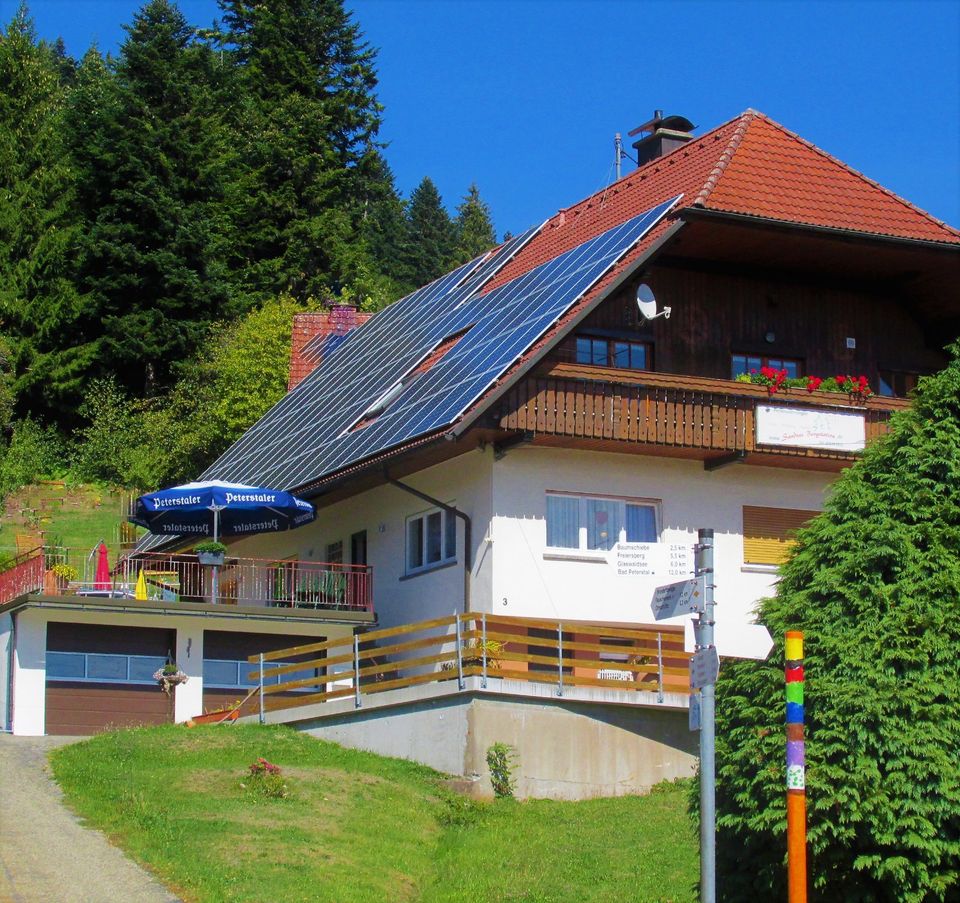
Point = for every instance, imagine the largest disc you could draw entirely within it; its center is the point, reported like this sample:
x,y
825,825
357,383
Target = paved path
x,y
46,856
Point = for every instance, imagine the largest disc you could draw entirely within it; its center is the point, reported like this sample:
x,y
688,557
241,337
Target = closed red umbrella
x,y
102,579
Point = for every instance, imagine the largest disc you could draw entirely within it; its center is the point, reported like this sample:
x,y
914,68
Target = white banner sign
x,y
810,428
653,559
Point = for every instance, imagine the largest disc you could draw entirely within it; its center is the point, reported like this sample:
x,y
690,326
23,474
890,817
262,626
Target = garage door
x,y
101,677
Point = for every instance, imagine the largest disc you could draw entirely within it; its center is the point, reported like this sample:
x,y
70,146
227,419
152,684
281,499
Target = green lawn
x,y
76,517
357,827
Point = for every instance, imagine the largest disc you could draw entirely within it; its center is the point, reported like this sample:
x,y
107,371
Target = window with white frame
x,y
431,539
597,523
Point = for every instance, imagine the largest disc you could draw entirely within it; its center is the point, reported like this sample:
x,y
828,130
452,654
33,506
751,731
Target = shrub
x,y
35,452
501,759
874,584
266,780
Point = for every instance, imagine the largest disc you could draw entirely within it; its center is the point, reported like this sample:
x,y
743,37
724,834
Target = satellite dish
x,y
647,303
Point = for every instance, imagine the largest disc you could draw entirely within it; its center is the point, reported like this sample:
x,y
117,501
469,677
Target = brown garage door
x,y
99,677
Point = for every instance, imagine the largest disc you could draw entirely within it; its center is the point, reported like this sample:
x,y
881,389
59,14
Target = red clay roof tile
x,y
752,166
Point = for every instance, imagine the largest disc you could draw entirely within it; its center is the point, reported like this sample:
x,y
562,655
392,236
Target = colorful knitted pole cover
x,y
796,772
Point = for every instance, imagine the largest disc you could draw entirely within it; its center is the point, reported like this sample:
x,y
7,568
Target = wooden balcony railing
x,y
566,654
181,578
661,409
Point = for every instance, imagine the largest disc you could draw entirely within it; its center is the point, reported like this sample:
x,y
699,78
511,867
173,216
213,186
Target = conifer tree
x,y
431,236
874,584
307,124
39,303
384,228
475,232
150,152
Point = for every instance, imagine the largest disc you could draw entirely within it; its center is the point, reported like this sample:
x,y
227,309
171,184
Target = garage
x,y
101,677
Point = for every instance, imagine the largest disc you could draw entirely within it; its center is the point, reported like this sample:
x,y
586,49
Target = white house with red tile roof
x,y
519,439
586,463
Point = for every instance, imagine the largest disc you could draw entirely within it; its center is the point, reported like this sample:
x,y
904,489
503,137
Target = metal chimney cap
x,y
674,123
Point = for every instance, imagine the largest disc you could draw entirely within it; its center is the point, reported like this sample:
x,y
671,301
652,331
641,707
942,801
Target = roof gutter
x,y
494,394
456,512
764,222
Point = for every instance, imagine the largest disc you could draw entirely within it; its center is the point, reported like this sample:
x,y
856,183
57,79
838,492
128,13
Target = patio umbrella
x,y
215,509
140,593
101,579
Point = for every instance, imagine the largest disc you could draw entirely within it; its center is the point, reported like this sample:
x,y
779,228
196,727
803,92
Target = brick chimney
x,y
664,133
316,334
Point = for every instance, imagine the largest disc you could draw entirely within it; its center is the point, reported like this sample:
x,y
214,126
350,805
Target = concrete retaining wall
x,y
566,748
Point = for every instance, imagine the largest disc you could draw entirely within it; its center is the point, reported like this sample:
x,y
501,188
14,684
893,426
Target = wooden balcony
x,y
713,420
308,586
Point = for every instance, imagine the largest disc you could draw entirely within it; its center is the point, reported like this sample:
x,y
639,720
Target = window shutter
x,y
768,532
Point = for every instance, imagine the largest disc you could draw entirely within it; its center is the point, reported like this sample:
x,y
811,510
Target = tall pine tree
x,y
307,127
475,233
39,304
431,236
152,155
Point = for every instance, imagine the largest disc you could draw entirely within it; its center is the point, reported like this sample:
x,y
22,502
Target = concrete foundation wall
x,y
565,748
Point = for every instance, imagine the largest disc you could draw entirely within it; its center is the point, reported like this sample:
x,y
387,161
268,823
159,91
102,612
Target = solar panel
x,y
319,428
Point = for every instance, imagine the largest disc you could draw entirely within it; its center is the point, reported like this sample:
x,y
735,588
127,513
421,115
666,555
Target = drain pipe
x,y
456,512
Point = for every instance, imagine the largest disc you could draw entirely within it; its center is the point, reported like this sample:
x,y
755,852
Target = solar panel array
x,y
320,427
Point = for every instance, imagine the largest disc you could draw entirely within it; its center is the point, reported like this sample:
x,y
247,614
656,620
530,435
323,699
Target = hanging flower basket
x,y
168,677
210,553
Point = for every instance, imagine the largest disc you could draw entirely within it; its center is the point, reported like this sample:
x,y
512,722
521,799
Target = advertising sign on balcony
x,y
838,431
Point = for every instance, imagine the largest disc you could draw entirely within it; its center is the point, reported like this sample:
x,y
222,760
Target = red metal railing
x,y
25,576
292,584
181,578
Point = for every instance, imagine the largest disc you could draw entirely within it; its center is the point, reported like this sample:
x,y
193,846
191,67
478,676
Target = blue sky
x,y
523,97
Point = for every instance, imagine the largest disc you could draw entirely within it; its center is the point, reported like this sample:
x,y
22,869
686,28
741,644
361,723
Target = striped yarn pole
x,y
796,768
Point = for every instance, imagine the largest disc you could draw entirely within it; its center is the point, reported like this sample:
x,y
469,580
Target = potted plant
x,y
65,574
169,676
210,552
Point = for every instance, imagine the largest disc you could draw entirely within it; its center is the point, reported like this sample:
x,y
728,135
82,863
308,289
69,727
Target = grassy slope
x,y
76,517
358,827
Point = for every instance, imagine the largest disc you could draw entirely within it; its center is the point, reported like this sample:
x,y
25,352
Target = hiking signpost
x,y
696,597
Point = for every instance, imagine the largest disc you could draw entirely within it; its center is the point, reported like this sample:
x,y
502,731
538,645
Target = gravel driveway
x,y
45,853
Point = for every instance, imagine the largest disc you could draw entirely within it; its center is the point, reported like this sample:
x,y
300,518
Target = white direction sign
x,y
683,598
704,667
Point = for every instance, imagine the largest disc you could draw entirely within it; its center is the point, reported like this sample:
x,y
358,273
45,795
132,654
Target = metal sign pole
x,y
703,628
262,717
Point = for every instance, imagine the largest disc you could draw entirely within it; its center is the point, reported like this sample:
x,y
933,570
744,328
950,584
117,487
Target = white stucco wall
x,y
514,573
530,581
29,668
6,651
464,482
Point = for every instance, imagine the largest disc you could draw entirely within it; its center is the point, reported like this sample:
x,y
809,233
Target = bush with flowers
x,y
265,779
857,387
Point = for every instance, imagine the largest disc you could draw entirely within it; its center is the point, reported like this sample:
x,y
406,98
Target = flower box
x,y
210,559
220,716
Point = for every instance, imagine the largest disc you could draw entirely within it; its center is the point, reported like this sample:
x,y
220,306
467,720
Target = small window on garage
x,y
768,533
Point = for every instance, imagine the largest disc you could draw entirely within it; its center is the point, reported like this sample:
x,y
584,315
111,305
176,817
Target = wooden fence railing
x,y
565,653
710,415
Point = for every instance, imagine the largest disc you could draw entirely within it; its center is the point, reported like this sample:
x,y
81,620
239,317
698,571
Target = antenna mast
x,y
618,152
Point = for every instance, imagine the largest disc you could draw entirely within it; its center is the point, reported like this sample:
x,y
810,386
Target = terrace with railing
x,y
688,416
180,578
564,654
